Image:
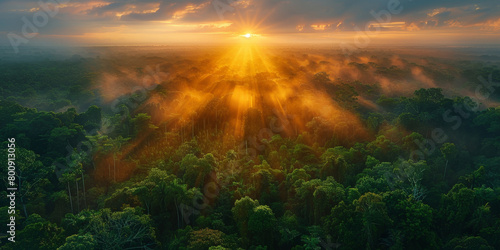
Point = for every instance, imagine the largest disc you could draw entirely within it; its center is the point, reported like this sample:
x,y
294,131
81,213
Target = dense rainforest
x,y
166,167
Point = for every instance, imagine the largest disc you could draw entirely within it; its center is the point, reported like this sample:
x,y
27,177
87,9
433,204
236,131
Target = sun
x,y
249,35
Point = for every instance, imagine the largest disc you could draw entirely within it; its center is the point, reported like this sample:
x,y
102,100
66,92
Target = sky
x,y
157,22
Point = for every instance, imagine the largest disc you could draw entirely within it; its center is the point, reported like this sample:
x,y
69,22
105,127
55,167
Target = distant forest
x,y
299,149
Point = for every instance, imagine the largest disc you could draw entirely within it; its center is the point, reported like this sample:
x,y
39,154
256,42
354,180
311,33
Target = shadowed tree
x,y
79,242
38,233
262,225
449,152
127,229
374,216
242,210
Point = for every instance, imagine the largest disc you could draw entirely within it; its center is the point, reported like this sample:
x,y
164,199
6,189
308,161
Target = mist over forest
x,y
253,147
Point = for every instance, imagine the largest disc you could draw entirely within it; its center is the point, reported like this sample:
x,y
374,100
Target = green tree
x,y
468,242
449,152
374,216
114,146
38,234
79,242
456,208
196,170
328,194
122,230
32,180
262,225
205,238
346,224
413,220
242,210
91,119
142,125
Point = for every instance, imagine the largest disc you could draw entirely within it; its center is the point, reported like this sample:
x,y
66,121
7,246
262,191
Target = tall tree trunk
x,y
22,197
177,210
83,186
114,166
70,200
77,196
24,207
445,167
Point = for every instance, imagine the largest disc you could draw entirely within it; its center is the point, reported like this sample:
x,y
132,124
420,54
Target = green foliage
x,y
242,210
375,219
120,230
262,225
413,219
346,224
383,149
49,84
142,124
197,170
193,185
205,238
468,242
38,234
79,242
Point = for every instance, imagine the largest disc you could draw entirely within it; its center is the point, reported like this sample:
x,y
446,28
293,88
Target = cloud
x,y
267,16
287,15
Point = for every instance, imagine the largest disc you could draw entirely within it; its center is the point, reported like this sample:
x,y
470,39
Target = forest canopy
x,y
172,149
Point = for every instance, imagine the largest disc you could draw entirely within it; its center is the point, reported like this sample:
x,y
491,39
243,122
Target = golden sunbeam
x,y
231,93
